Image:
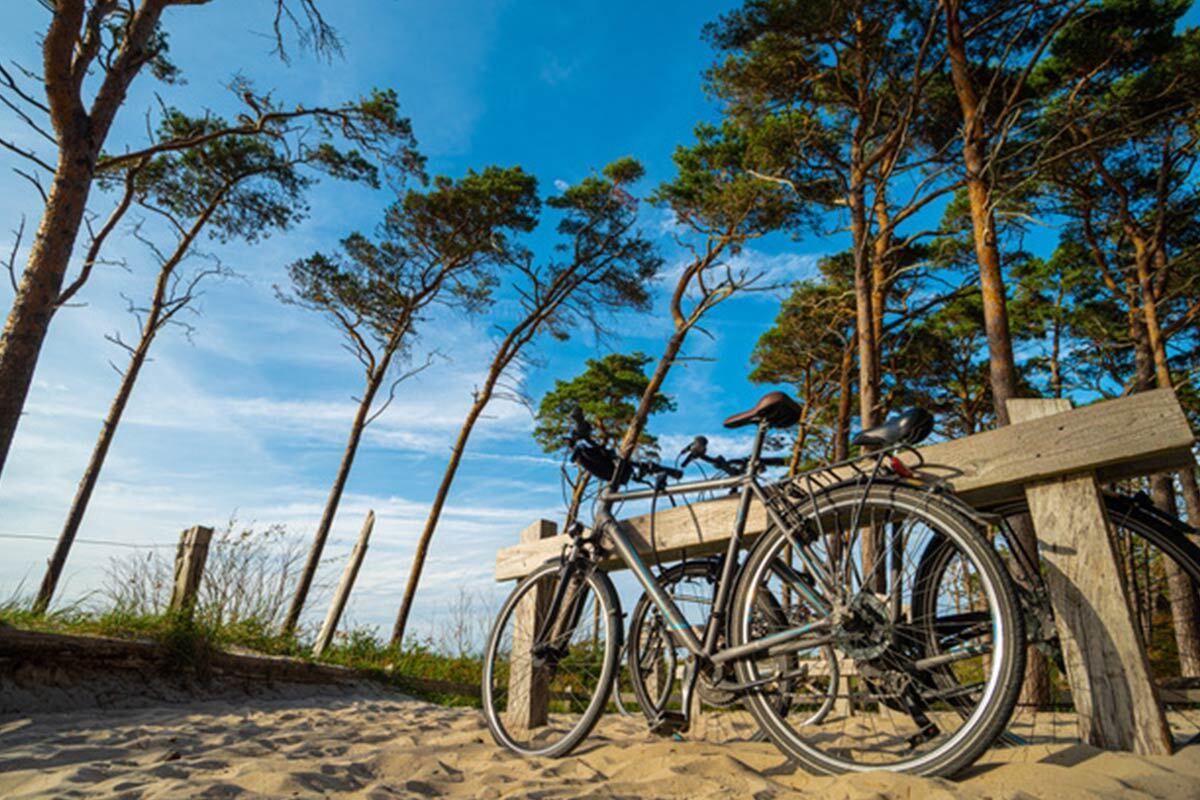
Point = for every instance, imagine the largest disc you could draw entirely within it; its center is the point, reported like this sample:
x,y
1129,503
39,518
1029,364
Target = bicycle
x,y
769,618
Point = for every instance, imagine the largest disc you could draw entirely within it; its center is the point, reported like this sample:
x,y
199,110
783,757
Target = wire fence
x,y
107,542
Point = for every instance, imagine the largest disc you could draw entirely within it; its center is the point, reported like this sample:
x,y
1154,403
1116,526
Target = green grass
x,y
189,643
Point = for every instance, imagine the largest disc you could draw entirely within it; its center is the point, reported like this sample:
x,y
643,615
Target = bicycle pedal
x,y
668,723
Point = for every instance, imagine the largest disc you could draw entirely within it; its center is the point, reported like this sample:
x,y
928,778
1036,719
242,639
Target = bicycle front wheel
x,y
541,698
854,591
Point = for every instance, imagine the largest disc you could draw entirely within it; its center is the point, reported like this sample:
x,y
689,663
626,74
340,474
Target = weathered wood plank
x,y
189,567
1116,439
344,587
1109,673
528,690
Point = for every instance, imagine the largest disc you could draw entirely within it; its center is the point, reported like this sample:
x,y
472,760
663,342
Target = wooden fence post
x,y
1107,667
528,692
189,567
344,587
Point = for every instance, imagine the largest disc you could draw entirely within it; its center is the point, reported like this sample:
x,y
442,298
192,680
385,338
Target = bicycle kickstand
x,y
669,723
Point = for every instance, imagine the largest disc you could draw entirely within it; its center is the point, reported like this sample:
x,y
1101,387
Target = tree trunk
x,y
798,443
80,139
674,344
1001,366
439,500
37,294
841,439
83,493
1002,370
1185,606
582,478
880,275
335,497
868,363
868,376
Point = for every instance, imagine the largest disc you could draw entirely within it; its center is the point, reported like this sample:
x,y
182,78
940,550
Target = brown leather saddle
x,y
776,409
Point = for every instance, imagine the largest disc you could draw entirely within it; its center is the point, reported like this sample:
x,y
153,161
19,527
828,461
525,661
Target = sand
x,y
372,744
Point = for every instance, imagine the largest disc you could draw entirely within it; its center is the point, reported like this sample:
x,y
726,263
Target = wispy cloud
x,y
554,71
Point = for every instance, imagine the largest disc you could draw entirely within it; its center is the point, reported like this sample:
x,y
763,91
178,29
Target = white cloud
x,y
554,71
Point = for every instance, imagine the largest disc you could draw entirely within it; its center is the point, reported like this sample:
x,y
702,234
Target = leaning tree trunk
x,y
157,316
638,424
582,479
37,294
87,484
80,136
439,502
335,498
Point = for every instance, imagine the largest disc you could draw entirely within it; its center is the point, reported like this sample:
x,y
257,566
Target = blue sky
x,y
250,417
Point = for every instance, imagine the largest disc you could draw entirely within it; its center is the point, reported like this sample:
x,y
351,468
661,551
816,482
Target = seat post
x,y
760,437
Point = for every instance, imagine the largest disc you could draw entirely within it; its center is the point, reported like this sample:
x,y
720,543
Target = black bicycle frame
x,y
748,484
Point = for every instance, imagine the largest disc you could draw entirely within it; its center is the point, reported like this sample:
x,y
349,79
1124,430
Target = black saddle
x,y
775,408
909,428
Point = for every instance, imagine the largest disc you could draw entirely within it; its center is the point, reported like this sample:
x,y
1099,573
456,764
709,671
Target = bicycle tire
x,y
825,752
493,665
1171,537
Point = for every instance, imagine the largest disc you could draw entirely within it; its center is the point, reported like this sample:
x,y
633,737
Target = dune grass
x,y
189,641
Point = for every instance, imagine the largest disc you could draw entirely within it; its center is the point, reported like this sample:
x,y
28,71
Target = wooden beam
x,y
1115,703
1115,439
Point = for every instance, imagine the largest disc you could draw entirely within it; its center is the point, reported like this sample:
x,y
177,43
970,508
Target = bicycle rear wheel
x,y
893,716
543,698
1160,566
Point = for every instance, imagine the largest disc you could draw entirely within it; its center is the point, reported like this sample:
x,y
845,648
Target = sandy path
x,y
381,746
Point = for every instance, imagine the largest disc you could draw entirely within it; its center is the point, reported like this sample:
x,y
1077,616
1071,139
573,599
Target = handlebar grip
x,y
660,469
774,461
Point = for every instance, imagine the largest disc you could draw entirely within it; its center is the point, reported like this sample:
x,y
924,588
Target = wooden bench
x,y
1056,457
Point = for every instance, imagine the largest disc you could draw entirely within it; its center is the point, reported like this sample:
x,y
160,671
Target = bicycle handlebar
x,y
602,461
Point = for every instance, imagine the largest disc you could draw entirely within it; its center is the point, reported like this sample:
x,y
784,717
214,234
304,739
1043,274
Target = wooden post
x,y
344,587
1109,672
843,705
528,692
189,567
